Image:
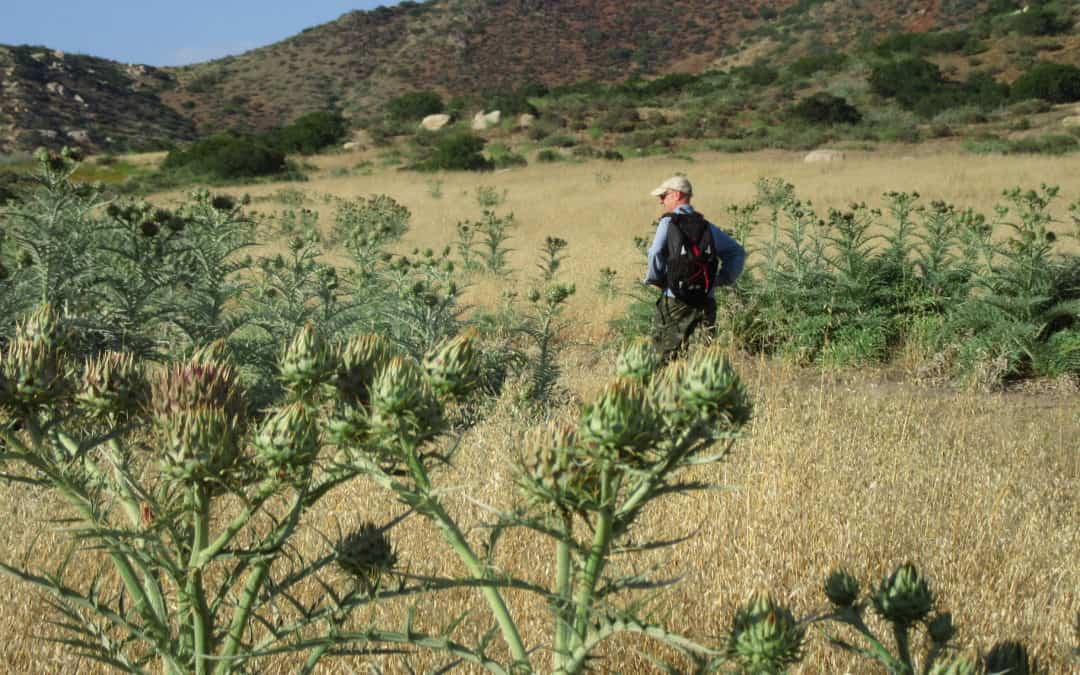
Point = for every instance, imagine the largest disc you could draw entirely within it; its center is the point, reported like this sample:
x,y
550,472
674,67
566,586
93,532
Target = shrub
x,y
227,156
414,106
459,151
1055,82
758,74
549,155
309,133
906,80
822,108
808,65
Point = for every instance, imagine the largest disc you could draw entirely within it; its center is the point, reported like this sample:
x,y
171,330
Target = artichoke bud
x,y
366,554
402,404
622,418
203,381
288,438
765,637
941,628
904,597
638,361
32,376
200,443
842,589
714,391
113,385
358,363
549,457
305,365
451,368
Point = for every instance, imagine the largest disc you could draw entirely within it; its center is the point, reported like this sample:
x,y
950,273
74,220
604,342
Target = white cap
x,y
676,183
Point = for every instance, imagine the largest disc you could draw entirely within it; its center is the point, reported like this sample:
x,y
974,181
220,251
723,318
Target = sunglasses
x,y
664,196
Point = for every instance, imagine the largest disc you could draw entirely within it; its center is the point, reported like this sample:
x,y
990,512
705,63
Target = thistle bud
x,y
904,597
621,418
451,368
33,369
549,458
357,364
638,361
713,390
366,554
113,385
200,443
288,438
842,589
204,381
402,404
765,637
305,365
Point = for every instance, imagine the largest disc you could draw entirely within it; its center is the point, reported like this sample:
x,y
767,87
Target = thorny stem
x,y
597,557
563,587
200,510
430,506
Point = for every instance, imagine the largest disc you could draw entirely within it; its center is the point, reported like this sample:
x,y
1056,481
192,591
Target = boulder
x,y
55,88
1071,121
79,135
525,120
351,145
824,156
435,122
482,121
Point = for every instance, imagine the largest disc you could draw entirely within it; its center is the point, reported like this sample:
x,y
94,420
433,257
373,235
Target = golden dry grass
x,y
852,469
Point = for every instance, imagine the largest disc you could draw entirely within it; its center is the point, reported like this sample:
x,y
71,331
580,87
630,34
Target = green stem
x,y
597,558
903,646
200,509
431,508
563,587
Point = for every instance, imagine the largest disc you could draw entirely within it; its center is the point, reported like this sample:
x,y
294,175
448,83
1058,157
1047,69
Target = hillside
x,y
459,47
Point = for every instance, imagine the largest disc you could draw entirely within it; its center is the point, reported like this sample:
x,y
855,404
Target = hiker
x,y
688,259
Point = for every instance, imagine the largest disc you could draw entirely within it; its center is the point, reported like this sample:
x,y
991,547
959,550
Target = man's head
x,y
673,192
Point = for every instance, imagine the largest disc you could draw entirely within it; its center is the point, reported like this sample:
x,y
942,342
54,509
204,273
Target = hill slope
x,y
454,47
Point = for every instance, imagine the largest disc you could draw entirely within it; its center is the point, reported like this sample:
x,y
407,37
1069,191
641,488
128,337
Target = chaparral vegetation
x,y
410,421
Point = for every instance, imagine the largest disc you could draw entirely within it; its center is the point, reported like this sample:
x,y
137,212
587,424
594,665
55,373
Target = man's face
x,y
669,197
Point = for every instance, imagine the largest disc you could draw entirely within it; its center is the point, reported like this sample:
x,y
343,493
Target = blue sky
x,y
164,32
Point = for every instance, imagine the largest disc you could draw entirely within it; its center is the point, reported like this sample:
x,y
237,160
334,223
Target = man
x,y
688,259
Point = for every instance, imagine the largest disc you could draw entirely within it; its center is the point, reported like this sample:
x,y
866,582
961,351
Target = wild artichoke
x,y
904,597
765,637
113,386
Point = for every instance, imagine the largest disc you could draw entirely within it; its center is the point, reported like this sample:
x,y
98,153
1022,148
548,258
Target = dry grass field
x,y
860,469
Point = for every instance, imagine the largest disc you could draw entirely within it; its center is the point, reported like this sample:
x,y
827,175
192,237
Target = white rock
x,y
79,135
482,121
1071,121
824,156
525,120
435,122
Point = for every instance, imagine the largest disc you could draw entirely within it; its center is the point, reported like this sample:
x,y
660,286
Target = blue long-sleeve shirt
x,y
732,256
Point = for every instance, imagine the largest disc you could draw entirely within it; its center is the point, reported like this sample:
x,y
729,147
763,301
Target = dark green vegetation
x,y
189,406
981,300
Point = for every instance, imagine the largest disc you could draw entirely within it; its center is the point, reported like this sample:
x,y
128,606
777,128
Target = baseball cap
x,y
677,183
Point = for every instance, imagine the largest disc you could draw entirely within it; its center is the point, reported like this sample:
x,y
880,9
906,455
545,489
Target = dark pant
x,y
675,323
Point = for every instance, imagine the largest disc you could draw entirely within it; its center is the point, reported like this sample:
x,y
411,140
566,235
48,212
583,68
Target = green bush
x,y
808,65
227,156
1055,82
823,108
758,74
414,106
459,151
309,133
549,155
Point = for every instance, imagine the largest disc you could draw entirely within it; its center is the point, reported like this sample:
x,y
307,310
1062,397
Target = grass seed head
x,y
904,597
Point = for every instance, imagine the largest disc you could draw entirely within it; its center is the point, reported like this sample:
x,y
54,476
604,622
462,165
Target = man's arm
x,y
656,274
732,257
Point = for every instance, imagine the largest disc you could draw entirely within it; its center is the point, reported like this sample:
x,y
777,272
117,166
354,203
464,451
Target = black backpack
x,y
691,257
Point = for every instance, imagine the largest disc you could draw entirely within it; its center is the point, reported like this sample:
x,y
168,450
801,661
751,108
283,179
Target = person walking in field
x,y
688,259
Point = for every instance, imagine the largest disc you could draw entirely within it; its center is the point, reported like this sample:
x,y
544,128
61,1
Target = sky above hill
x,y
164,32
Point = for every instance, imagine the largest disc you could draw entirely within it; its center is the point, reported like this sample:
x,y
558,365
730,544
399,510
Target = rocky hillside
x,y
364,58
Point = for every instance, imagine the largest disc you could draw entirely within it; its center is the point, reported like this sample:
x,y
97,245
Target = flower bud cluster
x,y
765,637
451,368
554,468
113,387
33,368
842,589
904,597
305,365
198,409
621,420
638,361
288,439
403,406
